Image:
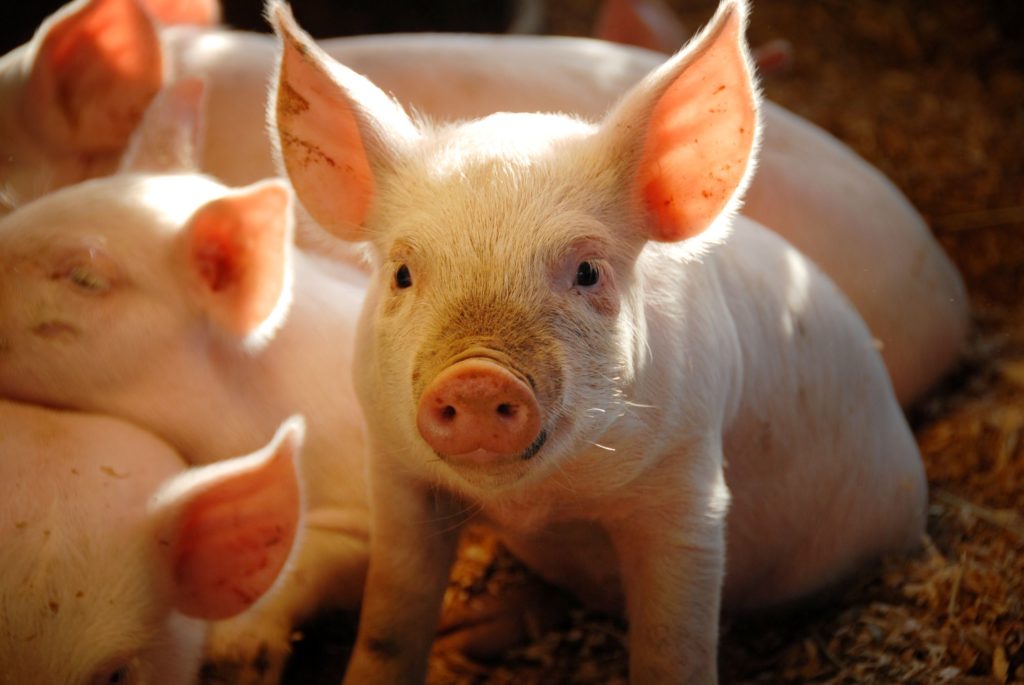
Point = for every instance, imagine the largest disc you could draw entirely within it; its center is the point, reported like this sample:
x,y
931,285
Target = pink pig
x,y
570,333
181,305
116,554
70,99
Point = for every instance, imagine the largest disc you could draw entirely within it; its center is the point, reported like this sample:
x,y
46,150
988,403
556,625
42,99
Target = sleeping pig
x,y
116,553
181,305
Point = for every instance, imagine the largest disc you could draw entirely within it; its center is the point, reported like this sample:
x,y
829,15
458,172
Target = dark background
x,y
19,20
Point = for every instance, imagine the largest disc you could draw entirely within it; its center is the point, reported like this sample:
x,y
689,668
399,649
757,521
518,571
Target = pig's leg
x,y
330,570
411,551
671,550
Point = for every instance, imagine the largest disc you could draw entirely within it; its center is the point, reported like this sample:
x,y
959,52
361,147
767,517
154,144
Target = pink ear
x,y
647,24
334,130
97,64
197,12
691,128
169,138
227,529
238,247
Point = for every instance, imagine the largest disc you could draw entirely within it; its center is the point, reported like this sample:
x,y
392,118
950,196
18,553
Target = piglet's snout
x,y
477,404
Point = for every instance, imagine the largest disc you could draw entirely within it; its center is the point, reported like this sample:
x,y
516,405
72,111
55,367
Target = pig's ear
x,y
334,130
96,65
237,251
193,12
684,138
647,24
169,139
226,530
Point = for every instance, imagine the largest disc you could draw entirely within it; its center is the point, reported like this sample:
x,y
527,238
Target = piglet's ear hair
x,y
334,130
226,530
95,67
684,139
169,139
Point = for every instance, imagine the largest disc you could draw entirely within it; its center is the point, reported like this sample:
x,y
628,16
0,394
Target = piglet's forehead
x,y
515,139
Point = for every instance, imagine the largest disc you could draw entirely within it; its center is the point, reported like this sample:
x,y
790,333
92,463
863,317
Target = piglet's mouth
x,y
483,458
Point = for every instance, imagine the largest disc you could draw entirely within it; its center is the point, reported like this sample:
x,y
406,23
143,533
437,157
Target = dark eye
x,y
119,676
587,274
403,279
115,674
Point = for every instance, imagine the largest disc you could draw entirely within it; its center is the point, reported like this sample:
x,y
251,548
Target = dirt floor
x,y
933,94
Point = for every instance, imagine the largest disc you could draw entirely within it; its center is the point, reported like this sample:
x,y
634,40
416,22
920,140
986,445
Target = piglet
x,y
116,554
570,333
181,305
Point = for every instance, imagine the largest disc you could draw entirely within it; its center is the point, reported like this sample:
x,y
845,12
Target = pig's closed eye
x,y
87,280
587,274
403,278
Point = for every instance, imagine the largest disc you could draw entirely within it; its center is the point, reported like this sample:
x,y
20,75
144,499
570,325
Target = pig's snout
x,y
478,406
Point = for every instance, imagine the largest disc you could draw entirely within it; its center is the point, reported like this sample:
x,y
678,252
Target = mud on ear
x,y
193,12
685,137
237,252
226,530
96,65
169,139
333,130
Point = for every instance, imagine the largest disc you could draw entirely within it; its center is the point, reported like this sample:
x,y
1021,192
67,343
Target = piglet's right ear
x,y
226,530
237,251
334,130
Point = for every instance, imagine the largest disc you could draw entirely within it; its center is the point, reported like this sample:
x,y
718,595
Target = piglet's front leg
x,y
411,551
671,549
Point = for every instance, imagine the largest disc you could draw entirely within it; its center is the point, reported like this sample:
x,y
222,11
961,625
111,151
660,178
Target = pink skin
x,y
476,410
114,548
172,301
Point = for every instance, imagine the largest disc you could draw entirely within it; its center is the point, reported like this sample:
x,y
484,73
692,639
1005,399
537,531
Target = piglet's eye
x,y
122,673
587,274
403,279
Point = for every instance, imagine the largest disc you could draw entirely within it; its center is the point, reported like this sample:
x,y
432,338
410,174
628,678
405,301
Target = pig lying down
x,y
180,305
658,403
64,119
116,554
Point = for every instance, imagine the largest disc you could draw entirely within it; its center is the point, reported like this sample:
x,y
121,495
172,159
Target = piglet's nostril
x,y
477,404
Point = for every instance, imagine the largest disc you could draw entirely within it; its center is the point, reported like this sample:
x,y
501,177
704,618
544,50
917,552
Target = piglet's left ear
x,y
237,251
226,530
685,137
